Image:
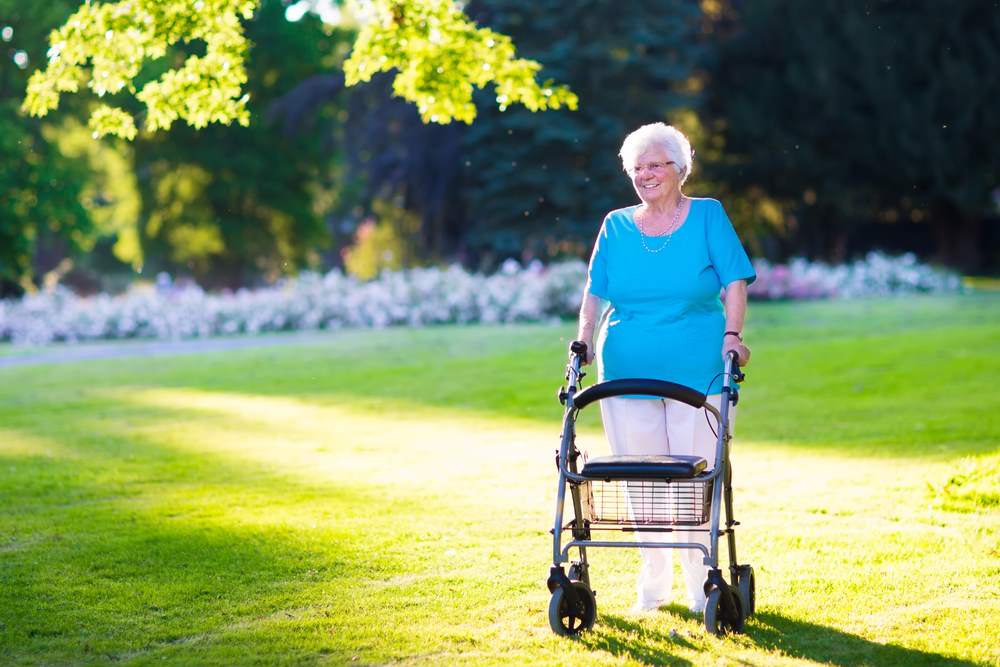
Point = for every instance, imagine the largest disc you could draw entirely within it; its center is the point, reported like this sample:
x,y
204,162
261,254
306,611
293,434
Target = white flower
x,y
414,297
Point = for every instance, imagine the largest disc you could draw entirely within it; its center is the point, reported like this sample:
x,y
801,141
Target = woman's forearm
x,y
589,311
736,305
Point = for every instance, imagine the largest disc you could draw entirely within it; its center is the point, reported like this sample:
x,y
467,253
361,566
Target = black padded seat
x,y
643,467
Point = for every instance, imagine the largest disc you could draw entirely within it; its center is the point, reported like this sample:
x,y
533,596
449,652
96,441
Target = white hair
x,y
659,135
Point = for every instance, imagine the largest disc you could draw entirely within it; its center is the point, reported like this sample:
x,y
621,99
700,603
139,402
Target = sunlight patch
x,y
335,442
15,444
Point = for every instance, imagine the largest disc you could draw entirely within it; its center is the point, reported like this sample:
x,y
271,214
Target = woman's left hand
x,y
732,343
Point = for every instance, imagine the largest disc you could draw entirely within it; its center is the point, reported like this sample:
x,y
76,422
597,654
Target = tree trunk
x,y
959,238
969,244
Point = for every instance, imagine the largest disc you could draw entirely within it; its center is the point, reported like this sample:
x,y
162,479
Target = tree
x,y
518,182
41,202
542,185
390,155
440,58
231,204
853,111
61,192
163,61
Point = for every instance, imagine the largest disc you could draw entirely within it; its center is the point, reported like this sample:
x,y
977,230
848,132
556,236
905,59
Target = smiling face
x,y
654,176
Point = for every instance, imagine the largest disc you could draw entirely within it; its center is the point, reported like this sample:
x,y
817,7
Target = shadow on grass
x,y
629,638
127,550
835,647
792,637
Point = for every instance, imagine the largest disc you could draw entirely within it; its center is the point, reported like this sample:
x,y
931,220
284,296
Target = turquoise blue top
x,y
667,318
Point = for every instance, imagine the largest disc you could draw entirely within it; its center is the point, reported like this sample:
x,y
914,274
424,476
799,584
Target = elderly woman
x,y
662,265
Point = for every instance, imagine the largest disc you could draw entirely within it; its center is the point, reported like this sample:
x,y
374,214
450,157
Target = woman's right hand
x,y
588,356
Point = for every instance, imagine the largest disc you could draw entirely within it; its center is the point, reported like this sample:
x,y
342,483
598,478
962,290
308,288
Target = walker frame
x,y
573,606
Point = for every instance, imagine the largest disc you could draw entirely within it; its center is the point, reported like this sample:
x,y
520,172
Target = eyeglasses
x,y
654,167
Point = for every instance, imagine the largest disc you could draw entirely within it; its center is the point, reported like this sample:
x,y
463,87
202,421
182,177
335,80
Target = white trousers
x,y
664,426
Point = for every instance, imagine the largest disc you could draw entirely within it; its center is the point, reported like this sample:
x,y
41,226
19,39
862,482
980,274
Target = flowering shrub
x,y
875,275
412,297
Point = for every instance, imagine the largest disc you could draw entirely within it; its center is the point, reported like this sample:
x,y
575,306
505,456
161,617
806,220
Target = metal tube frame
x,y
569,476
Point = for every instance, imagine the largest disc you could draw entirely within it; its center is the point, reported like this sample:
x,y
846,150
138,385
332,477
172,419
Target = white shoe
x,y
642,606
697,607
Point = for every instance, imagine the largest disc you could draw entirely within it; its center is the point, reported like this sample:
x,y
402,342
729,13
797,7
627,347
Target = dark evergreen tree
x,y
517,182
389,155
852,112
542,183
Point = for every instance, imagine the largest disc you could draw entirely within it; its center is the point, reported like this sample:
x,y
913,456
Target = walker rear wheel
x,y
717,620
748,589
570,620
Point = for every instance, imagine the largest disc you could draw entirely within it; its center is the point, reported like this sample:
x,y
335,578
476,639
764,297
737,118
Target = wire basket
x,y
647,502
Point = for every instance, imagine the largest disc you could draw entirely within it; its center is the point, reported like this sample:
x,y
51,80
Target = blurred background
x,y
828,129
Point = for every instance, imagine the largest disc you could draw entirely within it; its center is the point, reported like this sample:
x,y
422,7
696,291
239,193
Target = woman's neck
x,y
665,206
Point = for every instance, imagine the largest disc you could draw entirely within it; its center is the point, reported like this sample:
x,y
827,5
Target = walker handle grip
x,y
735,366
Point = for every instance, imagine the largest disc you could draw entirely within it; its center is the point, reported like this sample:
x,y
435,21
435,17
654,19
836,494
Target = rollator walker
x,y
645,494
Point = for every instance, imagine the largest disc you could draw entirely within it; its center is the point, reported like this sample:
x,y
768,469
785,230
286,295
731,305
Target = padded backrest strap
x,y
638,386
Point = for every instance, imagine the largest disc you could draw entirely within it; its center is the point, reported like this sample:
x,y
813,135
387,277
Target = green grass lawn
x,y
385,497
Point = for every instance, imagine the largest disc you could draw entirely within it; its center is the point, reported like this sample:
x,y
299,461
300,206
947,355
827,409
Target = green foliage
x,y
107,44
110,193
848,111
231,205
860,111
43,193
229,221
42,198
181,214
541,185
388,240
441,57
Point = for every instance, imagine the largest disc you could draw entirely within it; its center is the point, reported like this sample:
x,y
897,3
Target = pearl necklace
x,y
668,235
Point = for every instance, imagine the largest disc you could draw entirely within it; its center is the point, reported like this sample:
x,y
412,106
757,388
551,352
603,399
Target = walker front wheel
x,y
569,620
718,620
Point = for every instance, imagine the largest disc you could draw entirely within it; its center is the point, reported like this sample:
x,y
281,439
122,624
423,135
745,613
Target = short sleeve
x,y
597,273
726,252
